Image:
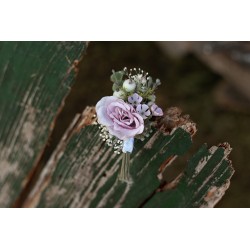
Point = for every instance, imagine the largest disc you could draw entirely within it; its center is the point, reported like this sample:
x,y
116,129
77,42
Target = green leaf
x,y
35,78
116,77
115,87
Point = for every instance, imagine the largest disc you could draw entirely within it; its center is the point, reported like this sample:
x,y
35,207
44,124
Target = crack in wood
x,y
80,121
35,122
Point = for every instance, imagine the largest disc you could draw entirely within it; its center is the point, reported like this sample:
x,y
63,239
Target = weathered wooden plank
x,y
82,172
203,182
35,77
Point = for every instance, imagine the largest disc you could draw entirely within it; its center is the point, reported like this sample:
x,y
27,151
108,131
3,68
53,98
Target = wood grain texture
x,y
35,77
82,172
203,183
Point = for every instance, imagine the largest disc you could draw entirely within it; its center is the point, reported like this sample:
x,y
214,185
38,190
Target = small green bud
x,y
157,82
143,80
119,94
116,77
143,88
150,103
150,81
152,98
115,87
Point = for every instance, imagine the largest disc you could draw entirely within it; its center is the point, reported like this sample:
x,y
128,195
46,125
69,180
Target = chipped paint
x,y
5,194
86,178
171,185
165,164
28,131
55,190
202,163
21,137
31,95
79,122
43,181
88,167
214,195
123,197
152,140
98,180
8,168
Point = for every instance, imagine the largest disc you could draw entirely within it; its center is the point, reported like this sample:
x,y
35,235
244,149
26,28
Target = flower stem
x,y
124,171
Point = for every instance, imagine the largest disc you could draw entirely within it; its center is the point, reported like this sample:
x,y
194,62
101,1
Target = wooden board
x,y
35,77
82,172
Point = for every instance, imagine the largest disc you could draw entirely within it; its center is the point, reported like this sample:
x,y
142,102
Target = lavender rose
x,y
120,118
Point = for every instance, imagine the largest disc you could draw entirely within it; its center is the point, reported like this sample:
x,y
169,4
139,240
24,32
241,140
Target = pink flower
x,y
120,118
156,111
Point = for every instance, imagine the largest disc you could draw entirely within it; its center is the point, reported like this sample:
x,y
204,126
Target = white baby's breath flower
x,y
144,80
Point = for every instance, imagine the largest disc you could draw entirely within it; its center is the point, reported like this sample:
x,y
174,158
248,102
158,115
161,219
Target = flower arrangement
x,y
128,114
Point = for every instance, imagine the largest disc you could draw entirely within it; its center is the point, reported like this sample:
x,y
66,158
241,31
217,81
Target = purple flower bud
x,y
143,110
135,99
156,111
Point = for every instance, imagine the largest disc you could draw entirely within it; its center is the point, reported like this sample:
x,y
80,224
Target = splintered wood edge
x,y
215,193
167,124
173,119
36,164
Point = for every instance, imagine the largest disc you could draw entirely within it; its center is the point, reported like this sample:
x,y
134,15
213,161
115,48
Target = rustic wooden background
x,y
35,78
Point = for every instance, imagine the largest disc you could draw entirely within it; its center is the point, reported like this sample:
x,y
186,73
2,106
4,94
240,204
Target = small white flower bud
x,y
128,85
144,80
157,82
119,94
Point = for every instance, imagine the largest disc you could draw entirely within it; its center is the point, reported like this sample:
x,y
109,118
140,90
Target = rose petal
x,y
120,118
101,110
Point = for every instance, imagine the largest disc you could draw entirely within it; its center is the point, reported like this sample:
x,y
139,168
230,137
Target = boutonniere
x,y
129,114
